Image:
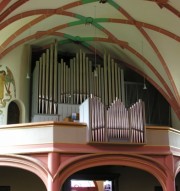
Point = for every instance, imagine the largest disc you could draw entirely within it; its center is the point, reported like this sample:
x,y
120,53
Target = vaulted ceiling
x,y
144,34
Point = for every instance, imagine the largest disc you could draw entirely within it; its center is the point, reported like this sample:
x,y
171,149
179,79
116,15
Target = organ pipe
x,y
73,82
116,123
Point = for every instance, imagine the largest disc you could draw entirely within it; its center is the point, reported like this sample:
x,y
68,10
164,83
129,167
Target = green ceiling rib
x,y
88,1
115,5
77,38
102,20
74,23
69,37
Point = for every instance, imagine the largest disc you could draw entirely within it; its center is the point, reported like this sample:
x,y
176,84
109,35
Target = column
x,y
53,164
170,181
170,184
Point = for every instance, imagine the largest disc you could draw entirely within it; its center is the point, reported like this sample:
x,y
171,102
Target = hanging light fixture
x,y
27,76
144,86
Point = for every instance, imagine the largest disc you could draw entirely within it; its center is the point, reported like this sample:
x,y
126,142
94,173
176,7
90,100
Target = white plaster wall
x,y
17,62
175,120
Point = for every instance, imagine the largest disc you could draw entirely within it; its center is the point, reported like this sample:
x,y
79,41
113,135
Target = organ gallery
x,y
95,90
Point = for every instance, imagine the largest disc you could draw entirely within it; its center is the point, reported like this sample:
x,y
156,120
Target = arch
x,y
93,160
26,163
19,108
13,114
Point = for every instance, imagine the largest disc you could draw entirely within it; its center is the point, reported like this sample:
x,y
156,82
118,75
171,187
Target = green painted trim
x,y
88,1
101,20
74,23
115,5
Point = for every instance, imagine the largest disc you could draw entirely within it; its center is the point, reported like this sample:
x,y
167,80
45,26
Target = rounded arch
x,y
92,160
13,114
26,163
18,104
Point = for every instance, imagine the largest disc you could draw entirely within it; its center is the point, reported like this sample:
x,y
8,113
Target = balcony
x,y
73,136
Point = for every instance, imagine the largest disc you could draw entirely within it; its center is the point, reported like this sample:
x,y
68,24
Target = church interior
x,y
89,95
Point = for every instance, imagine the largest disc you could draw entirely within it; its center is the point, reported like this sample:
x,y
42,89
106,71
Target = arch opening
x,y
13,116
12,178
113,178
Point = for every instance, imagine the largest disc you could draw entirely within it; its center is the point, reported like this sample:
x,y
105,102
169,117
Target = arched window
x,y
13,113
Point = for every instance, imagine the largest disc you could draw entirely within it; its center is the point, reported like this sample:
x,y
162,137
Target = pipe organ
x,y
115,123
56,82
96,91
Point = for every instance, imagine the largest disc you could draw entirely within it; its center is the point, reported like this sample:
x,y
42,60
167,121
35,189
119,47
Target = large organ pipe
x,y
74,81
64,82
119,83
47,80
113,80
40,85
80,75
61,81
102,85
71,80
116,80
122,85
90,78
43,81
87,76
105,81
55,79
51,80
99,81
38,73
77,72
84,77
109,80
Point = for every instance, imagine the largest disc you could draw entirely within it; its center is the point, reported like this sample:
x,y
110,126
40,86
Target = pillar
x,y
170,181
53,164
170,184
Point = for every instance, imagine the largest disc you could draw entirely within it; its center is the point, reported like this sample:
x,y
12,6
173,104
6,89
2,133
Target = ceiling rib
x,y
3,4
11,9
146,36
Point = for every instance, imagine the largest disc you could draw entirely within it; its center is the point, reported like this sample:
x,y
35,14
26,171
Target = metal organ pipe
x,y
73,82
